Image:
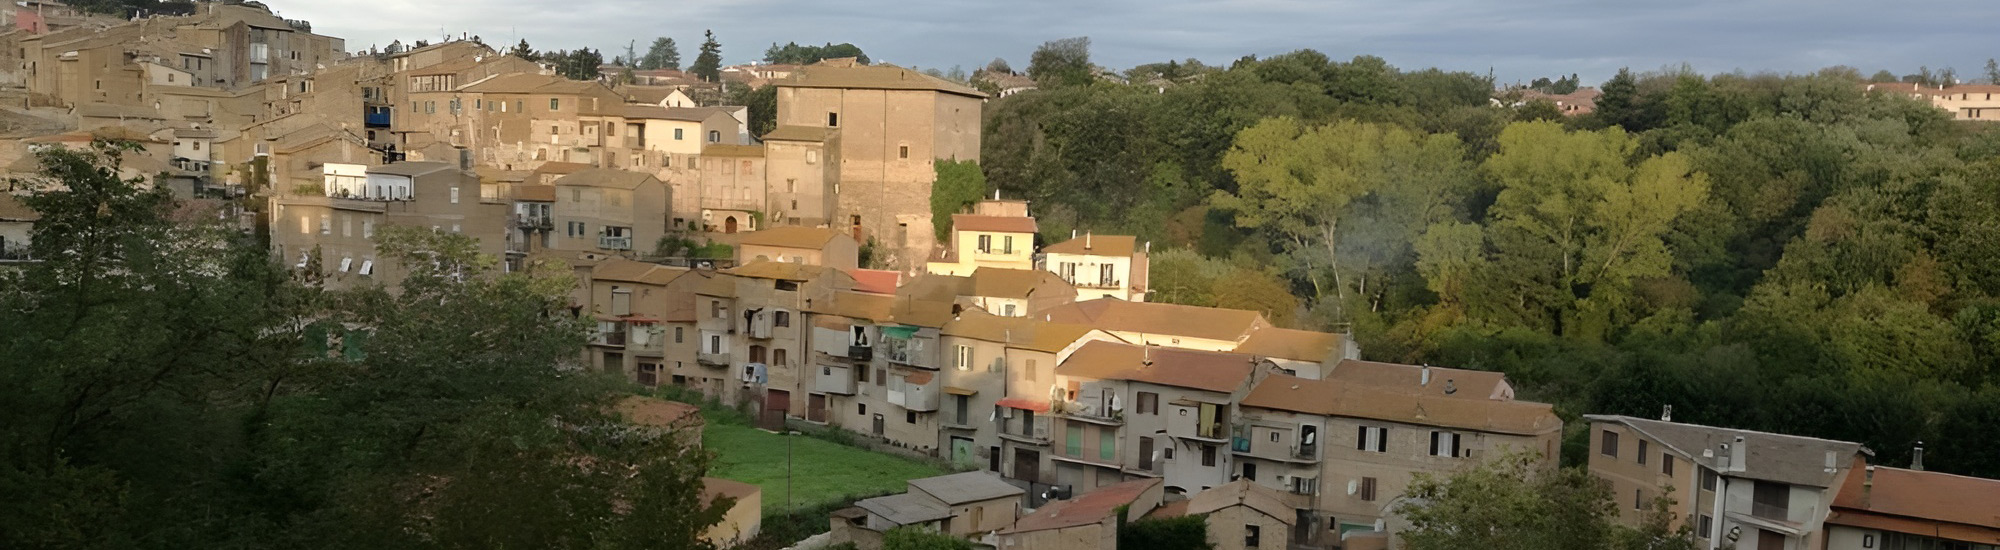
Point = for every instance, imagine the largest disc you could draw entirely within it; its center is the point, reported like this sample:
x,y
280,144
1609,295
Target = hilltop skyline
x,y
1516,42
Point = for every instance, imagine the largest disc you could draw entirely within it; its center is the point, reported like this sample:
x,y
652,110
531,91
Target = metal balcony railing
x,y
614,243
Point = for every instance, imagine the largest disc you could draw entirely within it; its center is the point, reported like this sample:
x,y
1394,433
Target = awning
x,y
1025,404
959,391
899,332
919,378
642,319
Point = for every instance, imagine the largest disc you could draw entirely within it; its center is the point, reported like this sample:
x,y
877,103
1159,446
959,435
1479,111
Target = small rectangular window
x,y
1609,445
1643,451
833,120
903,152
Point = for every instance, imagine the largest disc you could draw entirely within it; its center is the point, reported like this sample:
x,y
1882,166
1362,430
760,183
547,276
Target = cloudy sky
x,y
1516,39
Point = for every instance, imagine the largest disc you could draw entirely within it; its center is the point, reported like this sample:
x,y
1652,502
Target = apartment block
x,y
331,233
1100,266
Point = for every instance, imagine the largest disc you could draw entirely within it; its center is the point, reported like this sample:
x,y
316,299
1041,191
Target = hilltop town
x,y
818,278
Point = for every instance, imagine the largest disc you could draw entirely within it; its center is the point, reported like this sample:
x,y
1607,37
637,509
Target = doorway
x,y
1027,465
961,450
729,224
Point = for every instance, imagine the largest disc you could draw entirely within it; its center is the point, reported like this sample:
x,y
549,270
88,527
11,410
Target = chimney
x,y
1086,240
1667,415
1147,359
1722,458
1739,455
1425,378
1450,387
1831,467
1868,486
1917,459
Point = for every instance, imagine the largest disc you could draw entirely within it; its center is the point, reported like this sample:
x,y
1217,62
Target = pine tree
x,y
663,55
708,65
524,51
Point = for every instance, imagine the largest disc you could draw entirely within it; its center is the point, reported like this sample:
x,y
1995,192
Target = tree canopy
x,y
662,55
793,54
708,64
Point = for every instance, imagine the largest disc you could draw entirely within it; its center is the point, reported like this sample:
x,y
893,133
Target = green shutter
x,y
1107,444
1074,443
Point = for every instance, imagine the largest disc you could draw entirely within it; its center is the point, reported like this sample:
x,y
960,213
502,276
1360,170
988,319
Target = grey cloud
x,y
1518,39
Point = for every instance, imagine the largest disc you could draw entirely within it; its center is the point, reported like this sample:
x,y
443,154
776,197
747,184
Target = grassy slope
x,y
821,470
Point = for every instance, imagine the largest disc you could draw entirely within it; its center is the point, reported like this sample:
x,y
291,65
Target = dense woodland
x,y
1786,253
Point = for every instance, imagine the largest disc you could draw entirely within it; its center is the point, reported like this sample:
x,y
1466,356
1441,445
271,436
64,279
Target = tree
x,y
663,55
1883,76
1513,503
793,54
999,66
1577,224
1297,182
1992,71
1619,104
1176,533
959,184
523,51
762,102
580,64
708,64
916,538
1063,62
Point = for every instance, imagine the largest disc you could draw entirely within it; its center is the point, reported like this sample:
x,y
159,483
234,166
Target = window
x,y
715,309
1145,453
678,334
714,136
903,152
715,344
1007,244
678,132
1643,451
861,374
778,357
1007,310
782,319
1149,403
1370,438
880,376
1208,455
859,338
1166,453
1251,534
1770,500
1443,445
964,357
1274,437
1667,464
909,417
861,409
454,195
1073,440
1707,526
1609,446
325,224
833,120
1708,480
1367,489
985,243
555,104
1107,444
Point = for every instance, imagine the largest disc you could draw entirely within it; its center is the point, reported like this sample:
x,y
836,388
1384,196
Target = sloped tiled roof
x,y
1336,398
1182,368
1091,507
997,224
966,487
871,77
605,177
1913,501
1463,383
996,282
1284,343
11,209
1243,492
798,133
813,238
1157,318
1792,459
412,169
622,270
1096,245
876,281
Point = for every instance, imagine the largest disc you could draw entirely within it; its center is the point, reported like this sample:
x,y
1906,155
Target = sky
x,y
1516,40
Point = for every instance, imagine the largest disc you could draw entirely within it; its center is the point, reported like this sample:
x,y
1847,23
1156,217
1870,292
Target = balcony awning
x,y
954,390
643,319
1025,404
918,378
899,332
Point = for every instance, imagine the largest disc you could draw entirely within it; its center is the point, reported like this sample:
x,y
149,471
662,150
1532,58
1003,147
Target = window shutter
x,y
1361,439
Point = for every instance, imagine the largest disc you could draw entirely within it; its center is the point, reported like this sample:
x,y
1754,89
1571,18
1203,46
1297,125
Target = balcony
x,y
379,119
1100,284
1031,431
860,353
917,391
612,338
837,380
712,359
614,243
1770,511
647,339
1092,412
532,223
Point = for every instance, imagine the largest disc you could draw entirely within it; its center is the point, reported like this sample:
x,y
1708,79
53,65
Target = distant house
x,y
1087,522
962,504
1964,101
1241,515
1735,488
1883,507
998,233
1581,102
803,245
1101,266
17,221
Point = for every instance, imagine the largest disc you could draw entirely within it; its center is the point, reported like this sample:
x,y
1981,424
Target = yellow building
x,y
1100,266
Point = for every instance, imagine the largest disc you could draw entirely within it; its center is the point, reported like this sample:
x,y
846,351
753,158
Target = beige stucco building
x,y
1100,266
998,233
894,123
801,245
332,233
610,211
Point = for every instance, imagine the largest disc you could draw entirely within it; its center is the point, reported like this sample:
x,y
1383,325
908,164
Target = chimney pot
x,y
1667,415
1917,459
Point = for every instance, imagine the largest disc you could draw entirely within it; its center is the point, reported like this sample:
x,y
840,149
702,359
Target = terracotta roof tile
x,y
1284,343
605,177
1092,507
1182,368
1931,496
811,238
877,77
1157,318
622,270
876,281
1462,383
1096,245
997,224
1336,398
995,282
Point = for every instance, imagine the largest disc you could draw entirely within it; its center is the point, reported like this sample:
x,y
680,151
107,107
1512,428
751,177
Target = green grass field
x,y
821,470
